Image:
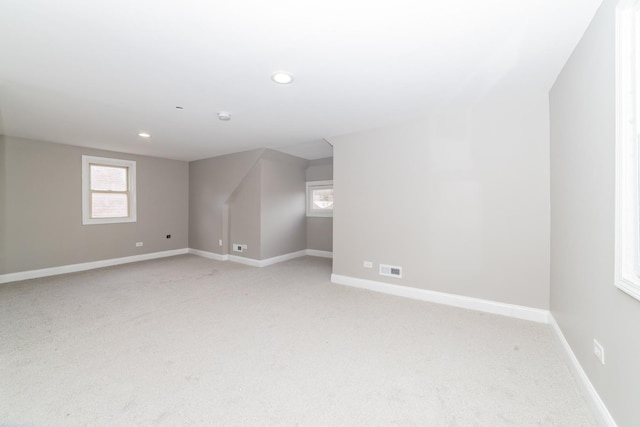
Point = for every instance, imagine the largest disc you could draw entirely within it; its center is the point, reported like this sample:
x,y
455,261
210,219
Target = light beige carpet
x,y
191,341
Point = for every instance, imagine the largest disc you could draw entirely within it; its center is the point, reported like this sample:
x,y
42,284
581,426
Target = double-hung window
x,y
320,198
627,256
108,190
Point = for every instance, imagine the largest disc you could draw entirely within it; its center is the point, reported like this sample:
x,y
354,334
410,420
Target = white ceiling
x,y
96,73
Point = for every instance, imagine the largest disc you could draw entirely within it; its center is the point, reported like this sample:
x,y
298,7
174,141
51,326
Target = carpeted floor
x,y
191,341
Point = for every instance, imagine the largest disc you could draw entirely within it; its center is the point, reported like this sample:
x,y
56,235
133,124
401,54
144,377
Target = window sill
x,y
629,286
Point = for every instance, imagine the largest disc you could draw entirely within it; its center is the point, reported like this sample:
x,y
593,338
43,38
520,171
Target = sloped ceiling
x,y
96,73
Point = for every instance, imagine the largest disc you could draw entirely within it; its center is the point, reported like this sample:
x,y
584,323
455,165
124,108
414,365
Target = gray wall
x,y
263,193
283,214
43,208
320,169
245,214
320,230
211,183
584,300
460,200
3,201
41,216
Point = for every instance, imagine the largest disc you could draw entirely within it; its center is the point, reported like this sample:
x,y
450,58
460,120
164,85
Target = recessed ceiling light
x,y
224,116
144,135
282,78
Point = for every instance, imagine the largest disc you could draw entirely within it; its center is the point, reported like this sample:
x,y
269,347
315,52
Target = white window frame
x,y
627,247
317,185
87,161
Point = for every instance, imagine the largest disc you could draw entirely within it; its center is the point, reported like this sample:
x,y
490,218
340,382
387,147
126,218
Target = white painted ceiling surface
x,y
96,73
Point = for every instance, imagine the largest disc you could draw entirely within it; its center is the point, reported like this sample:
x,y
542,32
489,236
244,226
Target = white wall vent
x,y
390,270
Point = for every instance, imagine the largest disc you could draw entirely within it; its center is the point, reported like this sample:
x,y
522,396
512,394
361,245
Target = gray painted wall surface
x,y
460,200
320,230
211,183
320,169
43,207
283,215
3,201
320,234
263,191
245,214
584,300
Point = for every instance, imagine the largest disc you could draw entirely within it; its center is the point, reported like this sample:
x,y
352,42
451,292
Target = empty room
x,y
325,213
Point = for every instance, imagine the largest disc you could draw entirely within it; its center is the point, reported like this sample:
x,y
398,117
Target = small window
x,y
320,198
108,190
627,252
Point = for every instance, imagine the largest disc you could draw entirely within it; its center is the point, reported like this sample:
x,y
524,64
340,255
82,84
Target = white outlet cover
x,y
368,264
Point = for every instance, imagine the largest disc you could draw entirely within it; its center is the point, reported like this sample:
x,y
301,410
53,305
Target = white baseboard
x,y
243,260
593,398
262,262
210,255
282,258
511,310
269,261
321,254
72,268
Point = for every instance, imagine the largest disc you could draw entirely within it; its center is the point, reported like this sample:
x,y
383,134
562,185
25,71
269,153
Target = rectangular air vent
x,y
390,270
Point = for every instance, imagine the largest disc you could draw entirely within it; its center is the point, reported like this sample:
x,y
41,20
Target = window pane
x,y
108,178
109,205
323,199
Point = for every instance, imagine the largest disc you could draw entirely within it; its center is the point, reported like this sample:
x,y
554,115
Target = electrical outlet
x,y
368,264
237,247
598,351
138,244
220,242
